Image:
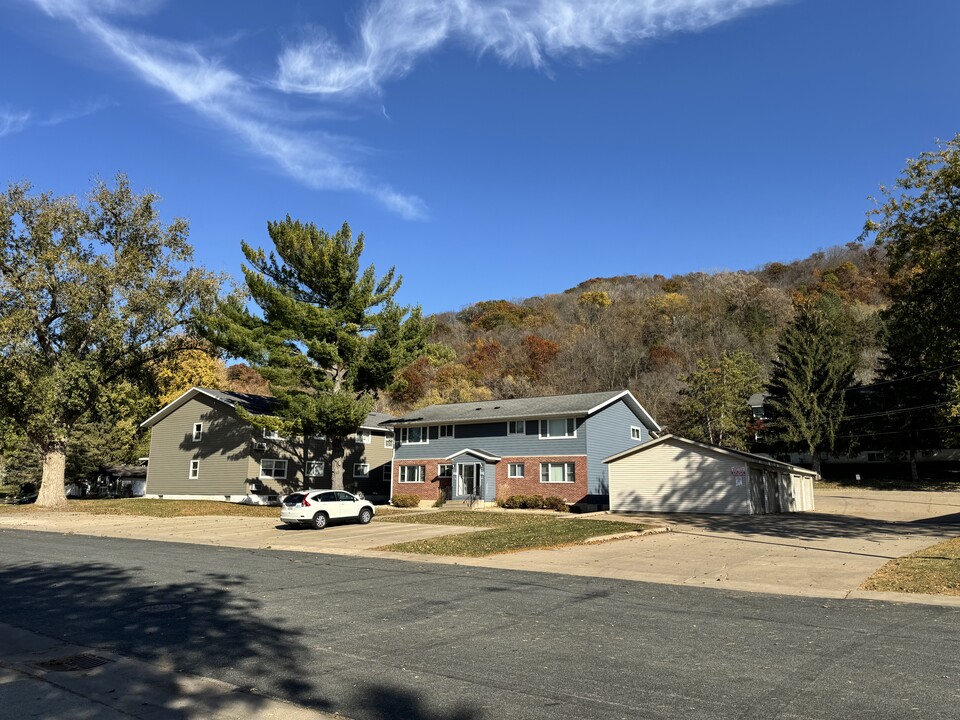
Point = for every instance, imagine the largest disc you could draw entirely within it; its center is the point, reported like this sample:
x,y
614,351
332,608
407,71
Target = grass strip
x,y
505,533
933,571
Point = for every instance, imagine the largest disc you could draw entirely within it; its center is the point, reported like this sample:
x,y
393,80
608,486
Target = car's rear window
x,y
293,499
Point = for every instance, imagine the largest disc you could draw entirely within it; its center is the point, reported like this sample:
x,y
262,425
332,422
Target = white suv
x,y
318,507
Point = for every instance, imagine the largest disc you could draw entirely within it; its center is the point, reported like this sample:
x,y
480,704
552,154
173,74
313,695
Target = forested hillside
x,y
643,332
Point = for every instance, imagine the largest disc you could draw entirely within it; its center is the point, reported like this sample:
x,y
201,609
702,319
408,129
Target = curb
x,y
629,534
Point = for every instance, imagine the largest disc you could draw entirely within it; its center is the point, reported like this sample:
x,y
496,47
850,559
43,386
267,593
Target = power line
x,y
906,377
898,432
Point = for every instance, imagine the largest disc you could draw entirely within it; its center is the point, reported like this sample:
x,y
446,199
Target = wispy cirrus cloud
x,y
12,121
393,36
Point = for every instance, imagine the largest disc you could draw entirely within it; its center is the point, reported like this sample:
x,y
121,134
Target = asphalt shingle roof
x,y
553,405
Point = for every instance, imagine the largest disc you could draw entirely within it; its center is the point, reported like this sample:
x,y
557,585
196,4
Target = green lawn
x,y
507,532
934,571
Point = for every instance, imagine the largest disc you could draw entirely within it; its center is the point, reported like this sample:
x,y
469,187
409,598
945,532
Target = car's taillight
x,y
306,503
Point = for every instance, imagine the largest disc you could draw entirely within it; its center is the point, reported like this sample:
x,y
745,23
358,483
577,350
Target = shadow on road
x,y
198,627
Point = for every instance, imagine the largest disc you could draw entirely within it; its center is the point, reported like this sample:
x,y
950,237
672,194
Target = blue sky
x,y
488,149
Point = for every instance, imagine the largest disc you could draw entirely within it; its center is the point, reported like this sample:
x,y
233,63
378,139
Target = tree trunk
x,y
336,463
815,452
914,475
52,489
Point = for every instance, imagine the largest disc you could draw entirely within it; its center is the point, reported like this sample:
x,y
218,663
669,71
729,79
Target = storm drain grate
x,y
72,663
167,607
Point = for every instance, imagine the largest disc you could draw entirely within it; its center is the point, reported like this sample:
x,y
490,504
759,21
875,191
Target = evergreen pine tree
x,y
329,338
814,368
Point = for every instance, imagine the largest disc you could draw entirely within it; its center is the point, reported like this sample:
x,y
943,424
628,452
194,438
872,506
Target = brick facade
x,y
529,484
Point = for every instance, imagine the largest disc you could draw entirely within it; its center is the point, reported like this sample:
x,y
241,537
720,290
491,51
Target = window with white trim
x,y
269,434
194,469
445,431
517,427
197,431
273,468
413,435
387,472
314,468
636,433
562,472
363,436
361,470
558,428
515,470
444,470
411,473
388,440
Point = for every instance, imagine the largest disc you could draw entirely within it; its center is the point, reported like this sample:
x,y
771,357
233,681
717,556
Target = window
x,y
516,427
194,469
271,434
387,473
363,436
315,468
561,428
444,470
197,431
557,472
388,440
413,435
515,470
411,473
270,468
361,470
445,431
636,433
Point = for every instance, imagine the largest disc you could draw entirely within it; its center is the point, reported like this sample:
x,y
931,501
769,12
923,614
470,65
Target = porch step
x,y
467,504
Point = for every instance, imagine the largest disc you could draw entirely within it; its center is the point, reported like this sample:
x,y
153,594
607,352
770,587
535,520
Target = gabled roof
x,y
579,405
739,454
254,404
476,453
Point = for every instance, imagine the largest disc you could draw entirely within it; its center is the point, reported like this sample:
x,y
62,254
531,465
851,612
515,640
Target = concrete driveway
x,y
828,553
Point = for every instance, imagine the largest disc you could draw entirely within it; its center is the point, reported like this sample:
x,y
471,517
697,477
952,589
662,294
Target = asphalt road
x,y
380,639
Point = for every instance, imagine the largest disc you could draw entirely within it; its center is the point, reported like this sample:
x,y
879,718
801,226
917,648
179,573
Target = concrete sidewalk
x,y
42,677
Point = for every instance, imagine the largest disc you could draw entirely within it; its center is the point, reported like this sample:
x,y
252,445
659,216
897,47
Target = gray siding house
x,y
549,446
673,474
201,449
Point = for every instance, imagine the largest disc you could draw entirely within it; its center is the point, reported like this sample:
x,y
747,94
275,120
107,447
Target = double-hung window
x,y
388,440
411,473
636,433
562,472
272,468
197,431
361,470
314,468
413,435
194,469
363,436
559,428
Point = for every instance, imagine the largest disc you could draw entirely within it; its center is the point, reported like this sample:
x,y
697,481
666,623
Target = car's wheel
x,y
366,515
320,521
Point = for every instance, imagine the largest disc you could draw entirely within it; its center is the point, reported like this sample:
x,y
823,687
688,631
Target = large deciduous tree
x,y
88,292
713,401
814,368
328,339
918,223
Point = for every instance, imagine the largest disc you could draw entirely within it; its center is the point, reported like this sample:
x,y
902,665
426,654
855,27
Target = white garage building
x,y
673,474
